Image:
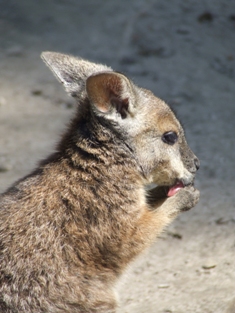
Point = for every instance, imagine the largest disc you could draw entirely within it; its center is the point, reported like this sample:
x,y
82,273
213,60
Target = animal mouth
x,y
175,188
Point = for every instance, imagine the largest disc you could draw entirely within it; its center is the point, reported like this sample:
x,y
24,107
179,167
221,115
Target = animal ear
x,y
72,72
110,92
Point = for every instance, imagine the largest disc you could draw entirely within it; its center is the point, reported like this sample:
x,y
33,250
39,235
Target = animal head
x,y
152,132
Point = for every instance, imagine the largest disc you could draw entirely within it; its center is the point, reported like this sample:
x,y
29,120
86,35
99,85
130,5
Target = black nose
x,y
197,163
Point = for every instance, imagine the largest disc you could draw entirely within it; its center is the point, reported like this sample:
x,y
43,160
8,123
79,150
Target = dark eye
x,y
170,138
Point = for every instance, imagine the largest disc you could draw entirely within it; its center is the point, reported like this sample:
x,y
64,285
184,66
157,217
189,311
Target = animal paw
x,y
186,198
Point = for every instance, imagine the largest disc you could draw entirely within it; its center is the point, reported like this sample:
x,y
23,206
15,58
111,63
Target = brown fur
x,y
69,229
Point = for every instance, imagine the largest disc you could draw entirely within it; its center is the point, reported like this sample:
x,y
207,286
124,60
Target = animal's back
x,y
62,235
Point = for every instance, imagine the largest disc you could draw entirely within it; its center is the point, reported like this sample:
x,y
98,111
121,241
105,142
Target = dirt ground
x,y
184,51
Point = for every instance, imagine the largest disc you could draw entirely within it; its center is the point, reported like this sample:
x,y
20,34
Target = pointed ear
x,y
72,72
110,92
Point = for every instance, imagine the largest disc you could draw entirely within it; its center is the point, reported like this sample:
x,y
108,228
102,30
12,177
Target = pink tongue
x,y
174,189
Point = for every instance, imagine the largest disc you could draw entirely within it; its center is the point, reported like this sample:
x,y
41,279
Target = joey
x,y
70,228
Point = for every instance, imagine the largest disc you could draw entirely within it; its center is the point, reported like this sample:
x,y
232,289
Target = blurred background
x,y
182,50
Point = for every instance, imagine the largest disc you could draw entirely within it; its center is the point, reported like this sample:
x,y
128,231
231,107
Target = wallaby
x,y
69,229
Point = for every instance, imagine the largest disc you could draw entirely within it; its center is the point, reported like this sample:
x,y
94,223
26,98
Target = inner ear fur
x,y
110,91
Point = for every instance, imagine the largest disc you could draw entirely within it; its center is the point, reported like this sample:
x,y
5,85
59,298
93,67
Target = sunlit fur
x,y
70,228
